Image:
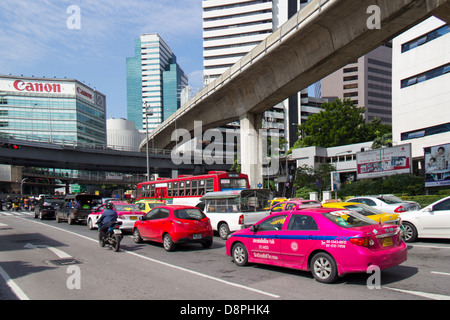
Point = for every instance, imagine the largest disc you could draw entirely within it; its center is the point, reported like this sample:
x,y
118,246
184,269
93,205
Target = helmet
x,y
109,206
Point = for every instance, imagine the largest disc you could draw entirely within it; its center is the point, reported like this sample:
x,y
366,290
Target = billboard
x,y
384,162
437,170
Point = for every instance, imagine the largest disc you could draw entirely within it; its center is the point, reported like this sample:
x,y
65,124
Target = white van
x,y
230,211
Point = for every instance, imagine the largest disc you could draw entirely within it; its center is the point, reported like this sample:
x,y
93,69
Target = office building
x,y
421,91
154,82
231,29
366,82
51,110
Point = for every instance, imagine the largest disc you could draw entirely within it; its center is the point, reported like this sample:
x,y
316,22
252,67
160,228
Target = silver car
x,y
387,203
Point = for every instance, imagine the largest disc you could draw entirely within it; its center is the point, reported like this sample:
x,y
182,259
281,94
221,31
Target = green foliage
x,y
399,184
340,123
308,179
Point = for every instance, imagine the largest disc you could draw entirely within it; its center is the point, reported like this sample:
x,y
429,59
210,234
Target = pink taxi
x,y
329,242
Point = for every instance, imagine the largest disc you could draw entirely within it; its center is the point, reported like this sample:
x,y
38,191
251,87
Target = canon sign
x,y
20,85
84,93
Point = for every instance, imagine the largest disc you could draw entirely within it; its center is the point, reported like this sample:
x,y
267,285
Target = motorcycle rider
x,y
107,219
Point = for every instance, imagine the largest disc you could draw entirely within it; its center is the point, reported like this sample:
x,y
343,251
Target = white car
x,y
433,221
387,203
127,213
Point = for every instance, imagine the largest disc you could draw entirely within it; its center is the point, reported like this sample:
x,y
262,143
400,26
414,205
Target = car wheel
x,y
240,254
41,216
137,236
168,243
323,268
57,219
224,231
90,224
410,232
206,244
70,220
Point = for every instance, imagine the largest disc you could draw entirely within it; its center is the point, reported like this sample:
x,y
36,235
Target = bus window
x,y
181,189
194,187
175,189
209,185
201,187
188,188
169,189
152,191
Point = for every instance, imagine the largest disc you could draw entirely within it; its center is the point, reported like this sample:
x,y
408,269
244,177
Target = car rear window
x,y
348,219
125,207
390,199
194,214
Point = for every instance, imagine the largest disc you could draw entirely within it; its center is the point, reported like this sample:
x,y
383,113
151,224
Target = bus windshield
x,y
233,184
238,201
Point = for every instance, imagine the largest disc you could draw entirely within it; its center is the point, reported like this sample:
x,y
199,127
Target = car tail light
x,y
362,241
241,219
400,209
177,222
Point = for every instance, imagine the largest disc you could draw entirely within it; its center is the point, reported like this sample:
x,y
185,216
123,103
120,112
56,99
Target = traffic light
x,y
10,146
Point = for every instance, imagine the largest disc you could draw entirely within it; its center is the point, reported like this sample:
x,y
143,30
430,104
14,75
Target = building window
x,y
419,133
439,71
425,38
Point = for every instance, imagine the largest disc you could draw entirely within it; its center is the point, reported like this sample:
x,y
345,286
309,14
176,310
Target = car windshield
x,y
152,205
126,207
364,210
193,214
52,200
390,199
348,219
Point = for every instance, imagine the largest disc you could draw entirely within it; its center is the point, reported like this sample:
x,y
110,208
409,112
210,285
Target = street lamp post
x,y
147,114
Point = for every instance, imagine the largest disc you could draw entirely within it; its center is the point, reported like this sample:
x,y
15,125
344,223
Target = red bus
x,y
188,190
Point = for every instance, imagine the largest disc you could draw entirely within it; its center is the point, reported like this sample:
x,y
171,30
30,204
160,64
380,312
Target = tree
x,y
340,123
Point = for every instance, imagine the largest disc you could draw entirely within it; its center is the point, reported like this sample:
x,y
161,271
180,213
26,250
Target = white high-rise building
x,y
231,29
420,83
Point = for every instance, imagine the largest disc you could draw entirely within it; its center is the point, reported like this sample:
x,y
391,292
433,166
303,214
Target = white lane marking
x,y
3,225
169,265
432,296
425,246
61,254
440,273
205,275
13,286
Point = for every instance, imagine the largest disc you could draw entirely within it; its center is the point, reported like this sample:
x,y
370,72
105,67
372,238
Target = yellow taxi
x,y
147,205
274,201
365,210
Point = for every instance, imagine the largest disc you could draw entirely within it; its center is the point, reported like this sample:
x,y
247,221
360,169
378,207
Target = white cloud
x,y
33,29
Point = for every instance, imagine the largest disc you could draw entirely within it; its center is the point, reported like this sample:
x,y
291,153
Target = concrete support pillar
x,y
251,148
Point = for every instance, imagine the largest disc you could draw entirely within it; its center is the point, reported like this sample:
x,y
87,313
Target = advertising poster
x,y
384,162
437,170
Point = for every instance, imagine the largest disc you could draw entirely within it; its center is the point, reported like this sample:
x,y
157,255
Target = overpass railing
x,y
271,42
58,143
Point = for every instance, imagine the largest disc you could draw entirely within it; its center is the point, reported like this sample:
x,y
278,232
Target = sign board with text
x,y
384,162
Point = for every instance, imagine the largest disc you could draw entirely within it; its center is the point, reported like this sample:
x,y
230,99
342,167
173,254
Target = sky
x,y
47,38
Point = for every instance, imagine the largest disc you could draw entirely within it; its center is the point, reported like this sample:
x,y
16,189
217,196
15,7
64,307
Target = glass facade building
x,y
154,81
51,110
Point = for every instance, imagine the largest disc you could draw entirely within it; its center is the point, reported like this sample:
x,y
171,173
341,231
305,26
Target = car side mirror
x,y
254,228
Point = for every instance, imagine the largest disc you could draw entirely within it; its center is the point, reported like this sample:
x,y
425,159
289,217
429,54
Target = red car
x,y
174,224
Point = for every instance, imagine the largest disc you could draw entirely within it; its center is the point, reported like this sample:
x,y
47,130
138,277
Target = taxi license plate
x,y
197,236
387,242
133,218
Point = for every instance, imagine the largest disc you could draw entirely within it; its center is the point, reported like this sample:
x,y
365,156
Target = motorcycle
x,y
113,236
16,206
